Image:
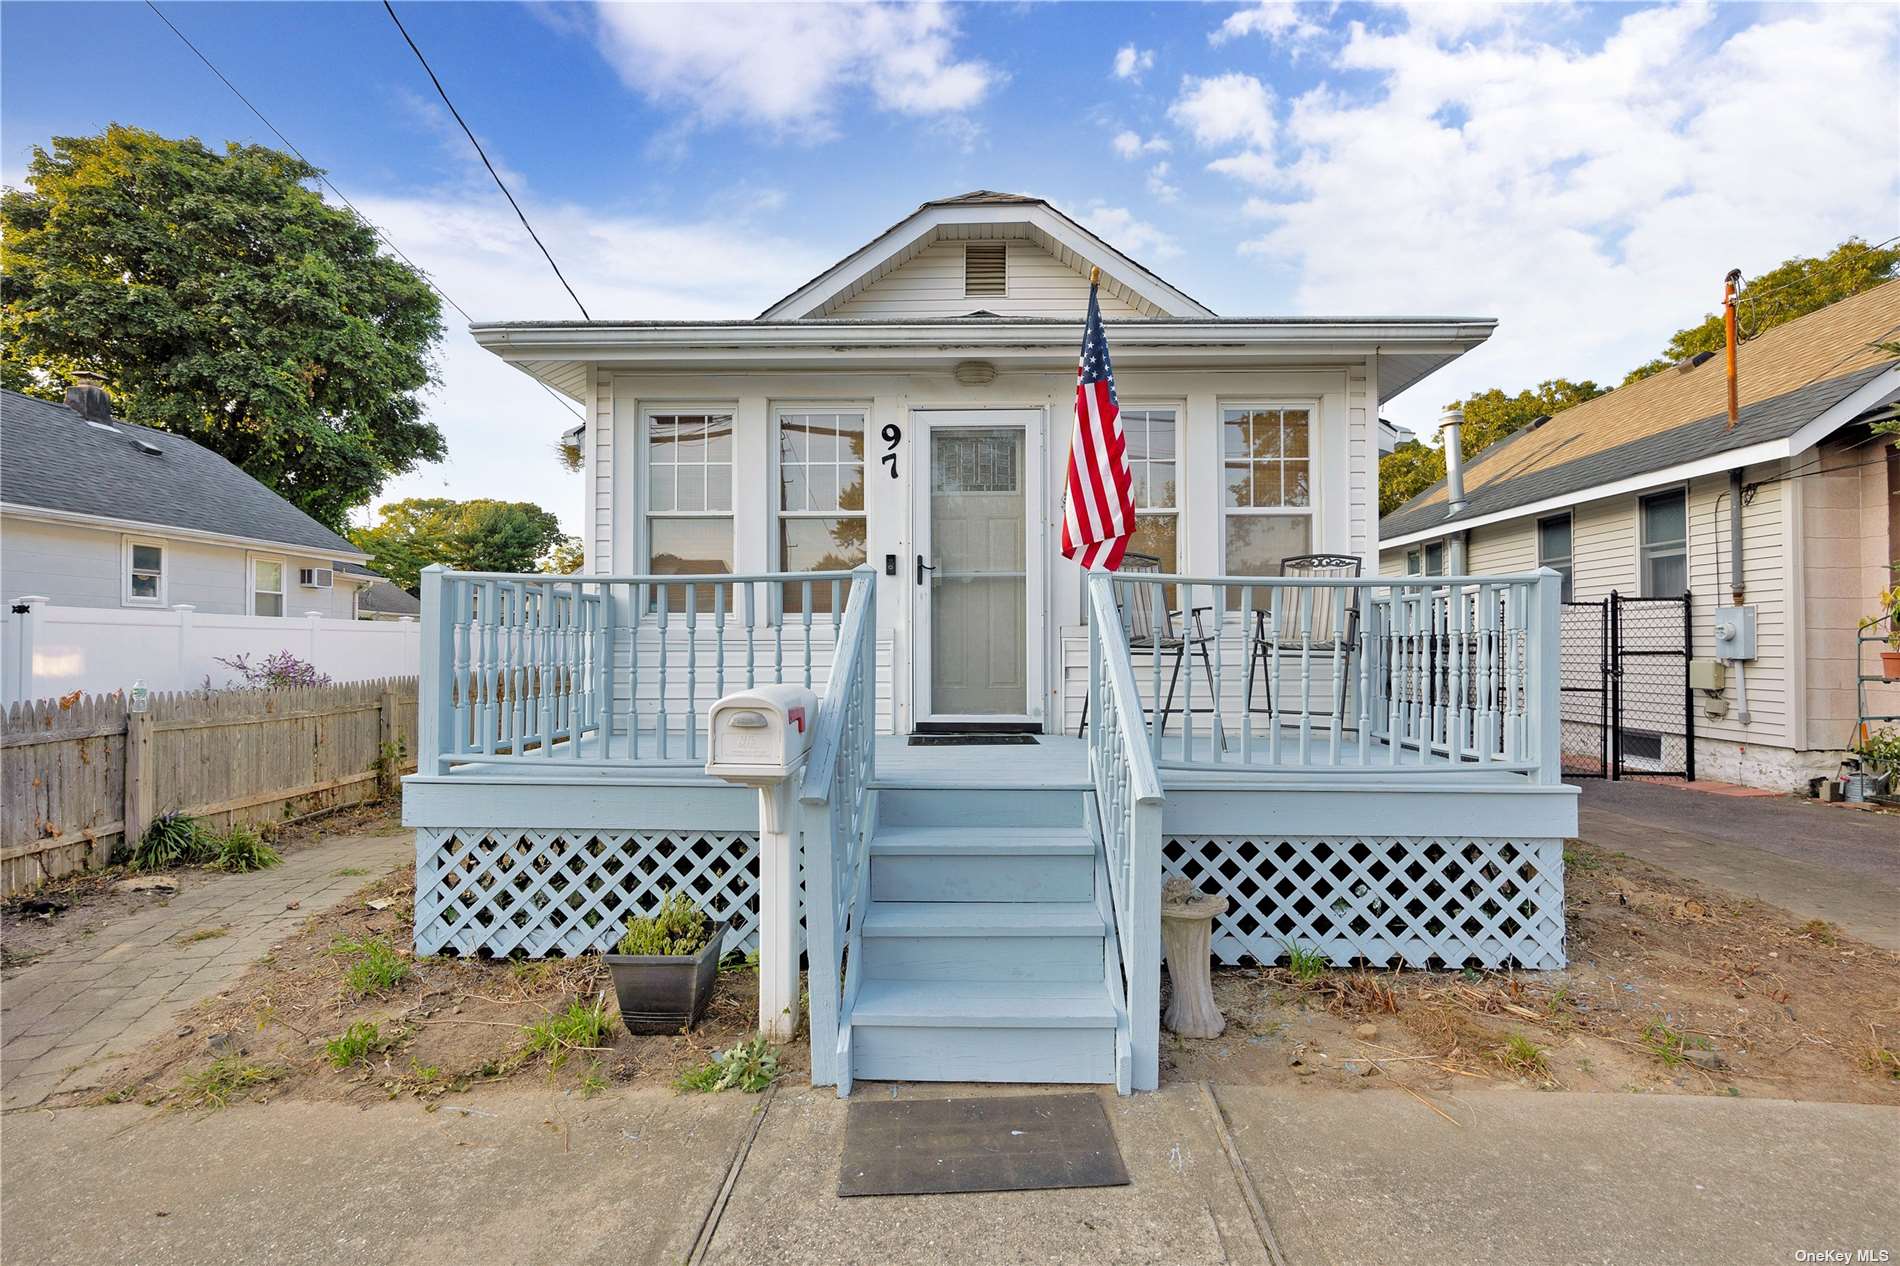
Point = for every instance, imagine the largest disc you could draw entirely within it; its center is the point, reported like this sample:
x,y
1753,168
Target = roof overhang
x,y
1877,391
558,353
1054,231
41,514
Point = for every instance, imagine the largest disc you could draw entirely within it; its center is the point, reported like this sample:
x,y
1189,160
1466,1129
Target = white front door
x,y
978,582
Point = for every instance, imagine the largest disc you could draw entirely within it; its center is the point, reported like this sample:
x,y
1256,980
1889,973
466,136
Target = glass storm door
x,y
974,575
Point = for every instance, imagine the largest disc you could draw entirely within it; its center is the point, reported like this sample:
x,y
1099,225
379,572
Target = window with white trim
x,y
689,498
144,573
1267,486
1554,548
1665,552
821,520
267,586
1430,561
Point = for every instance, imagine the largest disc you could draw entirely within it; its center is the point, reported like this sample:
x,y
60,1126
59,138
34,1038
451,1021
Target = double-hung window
x,y
689,498
1429,561
144,573
1267,475
1665,553
1554,549
267,586
1150,434
821,523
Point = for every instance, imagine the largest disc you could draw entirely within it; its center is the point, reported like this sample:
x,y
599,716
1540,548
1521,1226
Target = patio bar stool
x,y
1265,641
1147,635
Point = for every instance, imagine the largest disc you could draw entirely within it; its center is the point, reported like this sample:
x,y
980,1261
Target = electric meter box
x,y
1735,632
761,734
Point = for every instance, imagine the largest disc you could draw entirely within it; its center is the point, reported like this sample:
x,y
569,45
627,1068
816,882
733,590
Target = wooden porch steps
x,y
986,945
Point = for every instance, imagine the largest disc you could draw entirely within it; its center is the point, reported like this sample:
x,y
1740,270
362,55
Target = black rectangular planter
x,y
663,993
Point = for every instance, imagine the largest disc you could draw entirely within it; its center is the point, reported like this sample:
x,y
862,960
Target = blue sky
x,y
1584,173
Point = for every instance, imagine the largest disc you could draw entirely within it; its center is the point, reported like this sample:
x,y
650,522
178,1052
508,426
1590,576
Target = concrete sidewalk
x,y
1815,861
1337,1178
108,994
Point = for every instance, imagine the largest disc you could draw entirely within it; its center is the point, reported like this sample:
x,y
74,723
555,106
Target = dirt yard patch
x,y
1673,988
344,1010
61,912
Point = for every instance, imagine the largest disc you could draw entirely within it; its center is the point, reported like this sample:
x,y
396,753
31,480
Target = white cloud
x,y
1231,109
1159,186
787,66
1590,196
1119,227
1130,145
500,426
1131,61
1278,20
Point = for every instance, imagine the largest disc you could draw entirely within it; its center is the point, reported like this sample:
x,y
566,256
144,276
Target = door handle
x,y
922,567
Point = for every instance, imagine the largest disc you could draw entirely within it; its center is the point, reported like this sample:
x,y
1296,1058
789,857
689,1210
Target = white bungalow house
x,y
859,490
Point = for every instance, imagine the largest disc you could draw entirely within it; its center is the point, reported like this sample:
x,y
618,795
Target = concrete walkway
x,y
1324,1177
1815,861
108,994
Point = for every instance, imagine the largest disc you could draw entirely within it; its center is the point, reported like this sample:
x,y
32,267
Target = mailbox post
x,y
759,738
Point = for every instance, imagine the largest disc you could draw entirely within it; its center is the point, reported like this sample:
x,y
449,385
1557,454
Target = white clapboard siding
x,y
1504,549
931,284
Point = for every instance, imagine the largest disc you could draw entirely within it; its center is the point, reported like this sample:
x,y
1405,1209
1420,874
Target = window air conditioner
x,y
316,577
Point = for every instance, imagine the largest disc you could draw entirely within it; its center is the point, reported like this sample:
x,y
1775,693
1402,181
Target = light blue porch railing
x,y
1385,674
1128,800
608,670
837,813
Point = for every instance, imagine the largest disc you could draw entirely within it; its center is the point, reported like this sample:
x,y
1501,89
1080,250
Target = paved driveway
x,y
1817,861
64,1017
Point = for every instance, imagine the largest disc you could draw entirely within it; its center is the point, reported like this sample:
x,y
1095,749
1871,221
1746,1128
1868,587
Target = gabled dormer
x,y
999,254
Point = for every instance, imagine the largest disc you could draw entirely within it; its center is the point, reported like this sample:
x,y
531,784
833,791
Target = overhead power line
x,y
341,197
499,183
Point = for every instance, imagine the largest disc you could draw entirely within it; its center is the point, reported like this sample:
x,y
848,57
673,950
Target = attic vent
x,y
986,268
148,448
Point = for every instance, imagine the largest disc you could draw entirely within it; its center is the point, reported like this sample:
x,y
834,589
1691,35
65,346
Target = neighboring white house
x,y
912,406
98,512
1639,491
130,554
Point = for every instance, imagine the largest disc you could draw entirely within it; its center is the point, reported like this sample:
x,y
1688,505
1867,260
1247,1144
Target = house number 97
x,y
892,435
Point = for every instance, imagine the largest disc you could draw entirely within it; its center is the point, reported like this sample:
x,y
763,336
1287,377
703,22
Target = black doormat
x,y
920,1147
972,740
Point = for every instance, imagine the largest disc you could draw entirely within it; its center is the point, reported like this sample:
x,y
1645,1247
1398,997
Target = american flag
x,y
1100,513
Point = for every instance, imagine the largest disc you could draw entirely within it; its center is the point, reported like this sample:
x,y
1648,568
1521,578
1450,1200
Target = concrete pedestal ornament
x,y
1187,932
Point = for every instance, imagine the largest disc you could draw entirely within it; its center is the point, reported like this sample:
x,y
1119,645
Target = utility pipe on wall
x,y
1729,286
1451,434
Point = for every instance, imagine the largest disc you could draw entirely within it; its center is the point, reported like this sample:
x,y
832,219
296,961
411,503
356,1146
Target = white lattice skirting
x,y
554,892
1382,900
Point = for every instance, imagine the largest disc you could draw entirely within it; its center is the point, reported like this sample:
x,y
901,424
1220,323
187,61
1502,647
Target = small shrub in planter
x,y
665,966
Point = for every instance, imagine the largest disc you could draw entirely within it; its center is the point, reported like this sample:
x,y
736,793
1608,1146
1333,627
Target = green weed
x,y
240,850
226,1078
1305,964
176,839
1821,930
583,1026
375,966
204,934
1576,859
740,962
750,1066
1669,1046
351,872
1522,1056
359,1042
594,1082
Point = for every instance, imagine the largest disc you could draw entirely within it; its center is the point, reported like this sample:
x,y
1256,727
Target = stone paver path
x,y
65,1016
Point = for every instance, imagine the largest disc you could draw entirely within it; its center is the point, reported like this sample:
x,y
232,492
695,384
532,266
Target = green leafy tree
x,y
567,557
220,297
479,535
1489,417
1795,288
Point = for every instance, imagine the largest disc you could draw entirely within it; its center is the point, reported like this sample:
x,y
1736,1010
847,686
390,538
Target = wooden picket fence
x,y
81,775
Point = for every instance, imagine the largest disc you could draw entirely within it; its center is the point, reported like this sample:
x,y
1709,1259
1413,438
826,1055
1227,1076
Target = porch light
x,y
975,373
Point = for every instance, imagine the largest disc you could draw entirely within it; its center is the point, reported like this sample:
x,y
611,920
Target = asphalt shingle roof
x,y
53,459
1788,376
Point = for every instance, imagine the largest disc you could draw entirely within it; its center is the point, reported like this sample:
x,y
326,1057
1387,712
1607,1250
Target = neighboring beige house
x,y
1635,492
97,512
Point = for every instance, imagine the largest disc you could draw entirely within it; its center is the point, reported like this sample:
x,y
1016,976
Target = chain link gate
x,y
1628,711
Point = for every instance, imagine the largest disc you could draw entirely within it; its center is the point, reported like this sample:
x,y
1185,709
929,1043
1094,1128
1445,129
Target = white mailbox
x,y
761,736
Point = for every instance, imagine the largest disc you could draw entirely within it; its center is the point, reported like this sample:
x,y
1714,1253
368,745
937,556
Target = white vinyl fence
x,y
48,651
